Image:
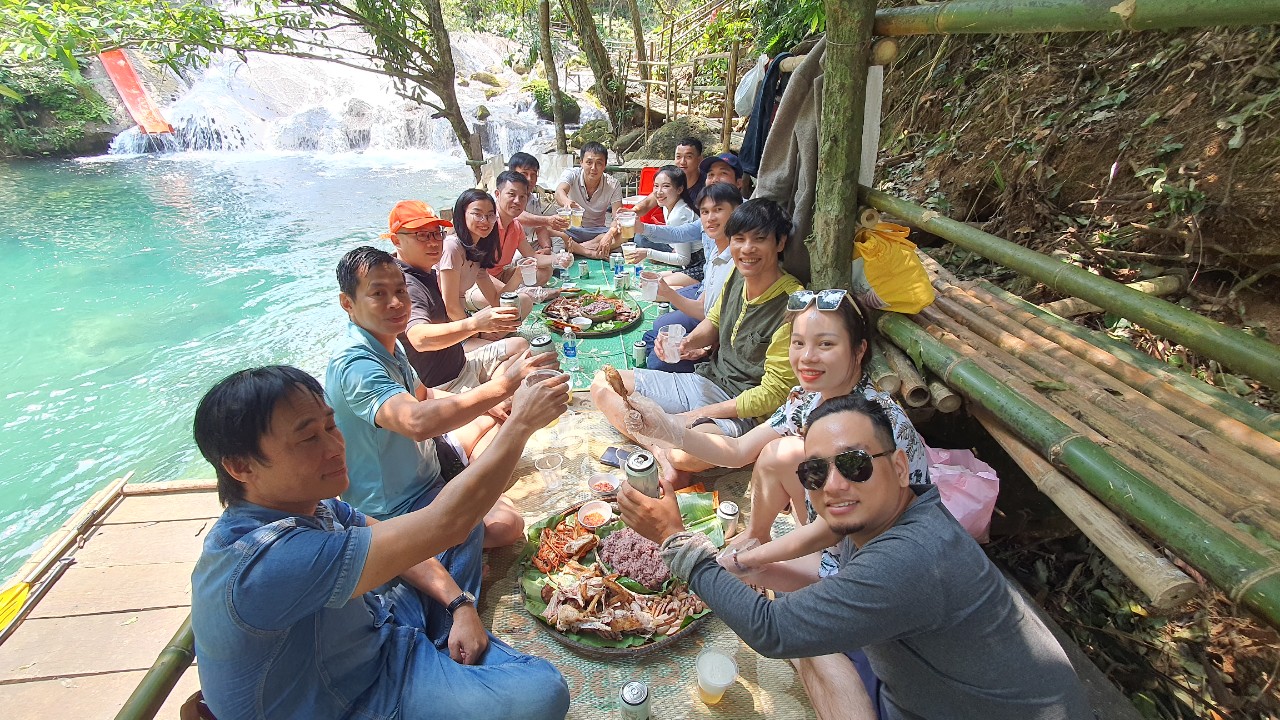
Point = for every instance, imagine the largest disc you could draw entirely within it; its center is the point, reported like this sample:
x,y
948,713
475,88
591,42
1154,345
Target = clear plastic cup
x,y
575,219
669,338
649,286
716,672
529,271
549,466
627,224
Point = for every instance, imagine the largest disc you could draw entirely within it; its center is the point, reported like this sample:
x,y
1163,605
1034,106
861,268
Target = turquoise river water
x,y
129,285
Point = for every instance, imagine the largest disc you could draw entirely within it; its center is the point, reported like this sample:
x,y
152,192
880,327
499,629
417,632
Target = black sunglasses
x,y
854,465
827,300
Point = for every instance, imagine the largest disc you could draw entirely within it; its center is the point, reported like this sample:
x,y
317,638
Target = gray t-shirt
x,y
943,630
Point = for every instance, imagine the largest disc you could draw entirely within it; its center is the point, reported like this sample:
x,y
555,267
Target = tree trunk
x,y
844,95
446,90
637,29
611,90
553,81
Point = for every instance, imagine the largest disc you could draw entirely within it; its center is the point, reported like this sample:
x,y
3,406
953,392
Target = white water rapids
x,y
273,103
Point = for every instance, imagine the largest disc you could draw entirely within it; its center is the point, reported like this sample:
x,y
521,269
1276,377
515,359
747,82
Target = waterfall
x,y
276,103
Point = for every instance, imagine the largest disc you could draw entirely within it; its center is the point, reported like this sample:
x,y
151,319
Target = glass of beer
x,y
575,220
716,672
627,223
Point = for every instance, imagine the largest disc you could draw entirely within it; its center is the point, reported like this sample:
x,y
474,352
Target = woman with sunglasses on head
x,y
472,248
827,353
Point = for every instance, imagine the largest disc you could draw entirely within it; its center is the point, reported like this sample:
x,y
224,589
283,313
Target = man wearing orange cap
x,y
432,341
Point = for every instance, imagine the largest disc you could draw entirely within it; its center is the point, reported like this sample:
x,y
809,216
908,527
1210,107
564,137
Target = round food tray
x,y
594,651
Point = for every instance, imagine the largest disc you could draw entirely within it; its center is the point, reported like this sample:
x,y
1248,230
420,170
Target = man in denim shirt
x,y
286,621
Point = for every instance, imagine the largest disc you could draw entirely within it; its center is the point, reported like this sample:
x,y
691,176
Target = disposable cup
x,y
649,286
627,248
549,466
627,224
716,672
669,339
529,271
576,218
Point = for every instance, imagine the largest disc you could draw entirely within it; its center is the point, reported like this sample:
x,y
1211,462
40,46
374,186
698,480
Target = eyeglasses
x,y
423,235
478,217
828,300
854,465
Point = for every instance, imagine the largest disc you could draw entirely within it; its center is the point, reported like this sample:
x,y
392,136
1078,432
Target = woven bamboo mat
x,y
765,687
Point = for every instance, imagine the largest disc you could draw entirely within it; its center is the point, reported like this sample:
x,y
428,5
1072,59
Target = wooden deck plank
x,y
117,588
94,697
161,508
52,648
144,543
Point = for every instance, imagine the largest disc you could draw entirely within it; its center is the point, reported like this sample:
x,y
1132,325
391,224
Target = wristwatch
x,y
465,598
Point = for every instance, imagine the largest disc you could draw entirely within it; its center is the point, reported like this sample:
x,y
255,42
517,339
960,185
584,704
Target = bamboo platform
x,y
88,642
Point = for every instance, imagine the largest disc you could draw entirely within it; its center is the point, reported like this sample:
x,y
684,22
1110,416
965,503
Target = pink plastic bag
x,y
968,487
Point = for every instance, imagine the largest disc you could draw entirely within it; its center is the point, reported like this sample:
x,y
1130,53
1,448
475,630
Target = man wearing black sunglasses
x,y
945,635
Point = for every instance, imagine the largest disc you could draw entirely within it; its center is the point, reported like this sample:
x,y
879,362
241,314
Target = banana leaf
x,y
694,509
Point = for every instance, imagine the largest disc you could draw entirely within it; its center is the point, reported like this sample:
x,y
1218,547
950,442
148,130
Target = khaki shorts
x,y
479,368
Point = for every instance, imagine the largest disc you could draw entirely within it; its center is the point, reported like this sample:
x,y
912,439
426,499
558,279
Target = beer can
x,y
664,308
541,344
509,299
634,700
622,281
583,270
728,515
642,473
639,352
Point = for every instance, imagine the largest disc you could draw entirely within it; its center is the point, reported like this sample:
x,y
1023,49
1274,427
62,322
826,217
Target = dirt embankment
x,y
1123,150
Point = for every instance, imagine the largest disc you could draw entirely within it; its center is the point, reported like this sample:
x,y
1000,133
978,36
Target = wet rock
x,y
488,78
662,144
542,102
482,113
594,131
629,141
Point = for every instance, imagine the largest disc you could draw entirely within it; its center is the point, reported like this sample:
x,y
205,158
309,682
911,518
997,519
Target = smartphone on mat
x,y
615,456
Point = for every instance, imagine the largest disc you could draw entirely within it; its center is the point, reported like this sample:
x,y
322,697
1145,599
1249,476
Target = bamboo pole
x,y
57,544
882,376
914,392
941,396
844,96
1231,559
1236,349
730,82
1043,16
1220,435
1058,330
1070,307
149,696
1216,486
1167,586
553,80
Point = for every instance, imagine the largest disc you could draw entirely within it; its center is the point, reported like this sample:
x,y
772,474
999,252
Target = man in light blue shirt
x,y
389,420
287,615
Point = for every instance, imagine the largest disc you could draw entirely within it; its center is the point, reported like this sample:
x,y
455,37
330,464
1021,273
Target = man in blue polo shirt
x,y
389,420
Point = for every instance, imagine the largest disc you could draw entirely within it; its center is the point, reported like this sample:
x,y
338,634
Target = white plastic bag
x,y
744,99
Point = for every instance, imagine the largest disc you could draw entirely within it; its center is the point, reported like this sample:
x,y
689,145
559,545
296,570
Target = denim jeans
x,y
505,683
465,563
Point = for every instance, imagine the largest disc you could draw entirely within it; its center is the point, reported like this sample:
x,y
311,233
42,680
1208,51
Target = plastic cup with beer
x,y
716,672
669,337
627,224
566,213
649,286
575,219
528,272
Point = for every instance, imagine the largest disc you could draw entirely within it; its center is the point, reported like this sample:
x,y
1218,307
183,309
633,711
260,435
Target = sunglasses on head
x,y
827,299
854,465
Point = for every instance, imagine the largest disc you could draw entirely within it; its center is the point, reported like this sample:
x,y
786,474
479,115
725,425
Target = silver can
x,y
509,299
584,270
728,514
622,281
642,473
634,700
541,344
664,308
639,353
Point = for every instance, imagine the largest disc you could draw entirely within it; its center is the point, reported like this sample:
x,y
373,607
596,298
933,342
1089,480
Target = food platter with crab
x,y
607,593
610,313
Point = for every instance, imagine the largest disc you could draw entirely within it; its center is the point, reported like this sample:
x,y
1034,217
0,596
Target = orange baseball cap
x,y
414,214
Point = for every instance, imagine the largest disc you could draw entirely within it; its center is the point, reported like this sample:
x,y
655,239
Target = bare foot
x,y
679,479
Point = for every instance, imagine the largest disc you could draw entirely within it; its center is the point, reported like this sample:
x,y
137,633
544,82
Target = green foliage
x,y
783,23
51,109
542,102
